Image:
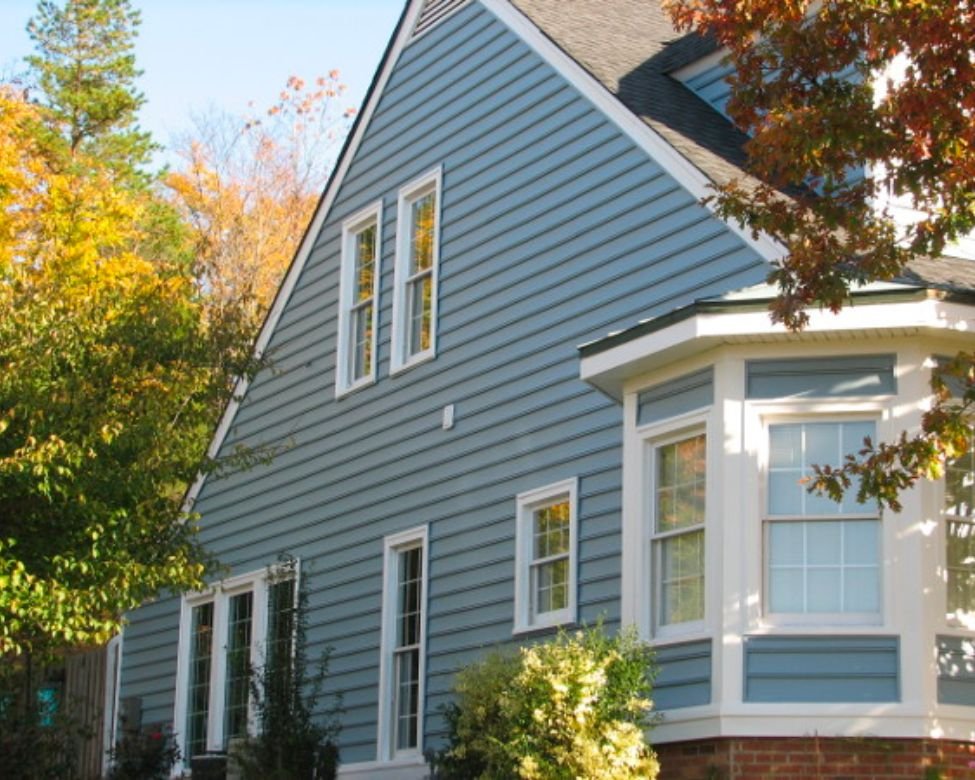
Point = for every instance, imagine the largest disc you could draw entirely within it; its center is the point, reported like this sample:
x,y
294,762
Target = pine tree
x,y
86,75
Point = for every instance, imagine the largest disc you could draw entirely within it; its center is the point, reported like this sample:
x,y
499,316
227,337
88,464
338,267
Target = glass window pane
x,y
239,626
422,232
682,578
786,543
785,446
824,543
861,589
681,481
365,262
861,541
419,301
786,590
961,567
785,493
824,589
198,698
551,530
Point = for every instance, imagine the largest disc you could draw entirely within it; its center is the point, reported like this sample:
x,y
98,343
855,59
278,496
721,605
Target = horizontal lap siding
x,y
822,669
555,229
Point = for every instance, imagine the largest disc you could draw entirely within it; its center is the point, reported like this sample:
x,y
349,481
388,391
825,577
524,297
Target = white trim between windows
x,y
371,216
393,546
401,358
526,504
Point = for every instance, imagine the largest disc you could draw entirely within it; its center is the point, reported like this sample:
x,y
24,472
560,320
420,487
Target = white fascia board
x,y
311,235
672,161
609,369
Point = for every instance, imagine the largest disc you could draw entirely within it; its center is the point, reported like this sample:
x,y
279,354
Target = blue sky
x,y
198,54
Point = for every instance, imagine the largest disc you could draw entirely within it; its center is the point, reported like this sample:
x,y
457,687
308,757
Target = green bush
x,y
576,706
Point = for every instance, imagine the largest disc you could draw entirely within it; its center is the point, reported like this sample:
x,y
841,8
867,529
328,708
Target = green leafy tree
x,y
826,90
86,75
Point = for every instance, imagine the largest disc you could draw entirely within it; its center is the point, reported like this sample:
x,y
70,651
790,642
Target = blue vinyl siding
x,y
683,675
829,377
956,670
711,85
555,229
822,668
678,396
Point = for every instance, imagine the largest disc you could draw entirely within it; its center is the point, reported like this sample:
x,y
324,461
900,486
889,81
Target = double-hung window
x,y
403,657
822,556
678,510
358,297
222,641
414,333
960,529
545,558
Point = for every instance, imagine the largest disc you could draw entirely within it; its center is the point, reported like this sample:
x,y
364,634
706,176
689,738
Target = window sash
x,y
240,626
679,498
200,666
406,651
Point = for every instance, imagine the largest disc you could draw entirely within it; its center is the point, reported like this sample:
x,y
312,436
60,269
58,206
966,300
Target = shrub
x,y
147,755
294,742
576,706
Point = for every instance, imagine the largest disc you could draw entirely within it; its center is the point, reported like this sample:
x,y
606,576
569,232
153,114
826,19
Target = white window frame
x,y
400,358
957,619
815,413
393,545
351,227
662,434
219,595
525,505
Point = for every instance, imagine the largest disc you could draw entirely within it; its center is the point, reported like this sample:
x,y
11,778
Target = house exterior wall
x,y
555,229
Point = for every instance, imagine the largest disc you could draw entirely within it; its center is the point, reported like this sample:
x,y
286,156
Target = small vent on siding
x,y
433,13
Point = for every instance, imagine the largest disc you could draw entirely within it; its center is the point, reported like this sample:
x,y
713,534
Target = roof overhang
x,y
896,312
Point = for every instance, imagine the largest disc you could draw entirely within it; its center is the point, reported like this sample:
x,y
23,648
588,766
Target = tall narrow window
x,y
822,556
402,661
545,578
198,699
960,528
679,481
356,355
237,689
417,258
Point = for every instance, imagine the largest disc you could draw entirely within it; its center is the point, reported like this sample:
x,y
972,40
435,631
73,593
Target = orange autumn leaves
x,y
247,187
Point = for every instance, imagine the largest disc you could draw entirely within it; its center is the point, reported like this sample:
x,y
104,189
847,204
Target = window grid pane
x,y
198,695
280,626
360,355
679,512
549,569
680,484
824,566
419,299
239,627
406,654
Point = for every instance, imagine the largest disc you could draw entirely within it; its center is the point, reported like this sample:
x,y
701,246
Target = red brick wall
x,y
808,758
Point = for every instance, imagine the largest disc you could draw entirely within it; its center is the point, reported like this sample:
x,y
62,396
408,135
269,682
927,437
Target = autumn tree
x,y
827,91
106,399
247,187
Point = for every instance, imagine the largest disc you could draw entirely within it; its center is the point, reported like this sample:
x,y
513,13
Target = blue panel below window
x,y
956,670
684,394
830,377
683,675
822,668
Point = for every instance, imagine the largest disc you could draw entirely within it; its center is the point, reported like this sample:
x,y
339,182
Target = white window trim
x,y
399,361
393,545
669,431
817,410
525,504
219,594
372,214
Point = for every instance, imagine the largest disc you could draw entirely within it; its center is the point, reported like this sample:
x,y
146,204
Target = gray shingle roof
x,y
631,47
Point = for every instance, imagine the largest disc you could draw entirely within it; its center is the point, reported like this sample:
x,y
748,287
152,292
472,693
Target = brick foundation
x,y
819,758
